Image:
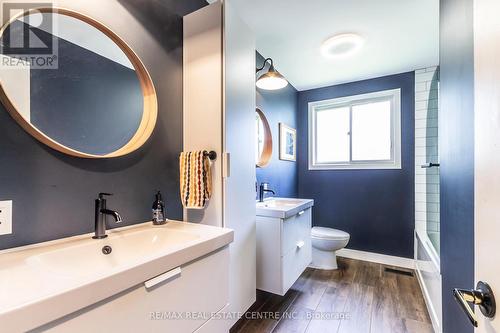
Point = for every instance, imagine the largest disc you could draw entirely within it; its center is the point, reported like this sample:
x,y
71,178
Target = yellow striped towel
x,y
196,179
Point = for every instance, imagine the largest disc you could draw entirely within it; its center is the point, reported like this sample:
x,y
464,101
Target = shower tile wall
x,y
426,150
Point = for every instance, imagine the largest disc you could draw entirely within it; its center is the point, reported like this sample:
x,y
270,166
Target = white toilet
x,y
325,242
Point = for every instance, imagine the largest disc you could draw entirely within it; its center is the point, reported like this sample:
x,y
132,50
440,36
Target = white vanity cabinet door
x,y
296,229
295,262
283,251
297,249
200,288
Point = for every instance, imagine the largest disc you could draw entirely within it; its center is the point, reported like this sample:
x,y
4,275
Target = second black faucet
x,y
262,189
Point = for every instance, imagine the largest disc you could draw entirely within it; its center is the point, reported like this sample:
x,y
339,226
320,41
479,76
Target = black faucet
x,y
262,189
101,213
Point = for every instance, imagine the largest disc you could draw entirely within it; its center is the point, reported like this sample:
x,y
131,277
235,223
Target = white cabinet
x,y
183,303
283,250
219,114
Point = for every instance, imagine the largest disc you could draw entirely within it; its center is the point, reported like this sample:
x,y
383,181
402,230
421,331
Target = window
x,y
356,132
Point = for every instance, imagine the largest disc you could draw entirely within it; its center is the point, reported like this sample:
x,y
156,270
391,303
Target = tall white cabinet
x,y
219,114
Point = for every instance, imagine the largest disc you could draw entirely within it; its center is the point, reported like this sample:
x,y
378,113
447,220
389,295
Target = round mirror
x,y
264,142
74,84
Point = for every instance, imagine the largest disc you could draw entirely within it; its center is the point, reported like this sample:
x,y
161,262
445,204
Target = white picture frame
x,y
288,143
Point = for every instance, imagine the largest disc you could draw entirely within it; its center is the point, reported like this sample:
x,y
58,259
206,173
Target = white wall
x,y
487,153
202,101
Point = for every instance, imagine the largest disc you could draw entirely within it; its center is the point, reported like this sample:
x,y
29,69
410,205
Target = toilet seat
x,y
328,233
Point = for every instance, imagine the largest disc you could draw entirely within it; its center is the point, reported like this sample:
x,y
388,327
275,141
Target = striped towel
x,y
196,179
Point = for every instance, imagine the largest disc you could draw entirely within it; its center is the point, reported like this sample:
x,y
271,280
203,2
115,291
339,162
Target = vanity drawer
x,y
294,263
177,301
296,230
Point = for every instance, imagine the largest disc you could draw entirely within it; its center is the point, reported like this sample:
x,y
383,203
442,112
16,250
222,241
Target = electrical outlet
x,y
5,217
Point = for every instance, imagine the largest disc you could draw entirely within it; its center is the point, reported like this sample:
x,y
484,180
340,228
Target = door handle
x,y
300,244
481,296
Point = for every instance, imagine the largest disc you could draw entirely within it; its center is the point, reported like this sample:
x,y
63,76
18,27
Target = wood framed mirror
x,y
82,90
264,137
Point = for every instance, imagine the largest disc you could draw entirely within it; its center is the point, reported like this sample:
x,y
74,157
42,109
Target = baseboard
x,y
377,258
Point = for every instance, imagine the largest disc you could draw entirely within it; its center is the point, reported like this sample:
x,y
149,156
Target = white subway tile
x,y
425,132
433,104
423,77
433,197
432,226
433,94
420,86
425,171
431,85
421,105
422,96
426,122
426,151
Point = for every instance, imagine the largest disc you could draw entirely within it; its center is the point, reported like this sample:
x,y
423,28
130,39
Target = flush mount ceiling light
x,y
272,80
342,45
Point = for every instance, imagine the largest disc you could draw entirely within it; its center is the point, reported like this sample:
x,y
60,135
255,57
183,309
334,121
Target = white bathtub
x,y
429,277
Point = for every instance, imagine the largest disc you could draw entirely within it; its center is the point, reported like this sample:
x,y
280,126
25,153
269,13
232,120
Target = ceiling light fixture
x,y
272,80
342,45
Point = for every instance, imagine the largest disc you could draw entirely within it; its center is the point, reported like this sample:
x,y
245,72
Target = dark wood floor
x,y
359,297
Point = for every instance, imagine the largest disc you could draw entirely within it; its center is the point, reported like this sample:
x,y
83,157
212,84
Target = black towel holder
x,y
212,155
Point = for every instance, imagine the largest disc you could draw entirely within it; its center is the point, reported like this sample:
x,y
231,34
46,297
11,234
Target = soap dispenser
x,y
159,210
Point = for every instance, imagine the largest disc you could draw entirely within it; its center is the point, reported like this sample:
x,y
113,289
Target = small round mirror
x,y
264,139
74,85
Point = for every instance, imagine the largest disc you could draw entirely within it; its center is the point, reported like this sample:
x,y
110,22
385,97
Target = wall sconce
x,y
272,80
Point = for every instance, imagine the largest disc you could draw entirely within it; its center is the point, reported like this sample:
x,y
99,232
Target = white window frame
x,y
393,95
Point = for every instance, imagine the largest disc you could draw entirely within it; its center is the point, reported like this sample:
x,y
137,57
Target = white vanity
x,y
169,278
283,242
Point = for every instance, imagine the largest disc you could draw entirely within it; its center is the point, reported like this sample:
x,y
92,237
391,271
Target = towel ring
x,y
212,155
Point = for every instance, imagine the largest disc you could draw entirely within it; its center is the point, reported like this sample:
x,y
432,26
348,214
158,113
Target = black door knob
x,y
481,296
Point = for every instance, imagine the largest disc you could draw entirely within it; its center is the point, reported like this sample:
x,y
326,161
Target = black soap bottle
x,y
158,210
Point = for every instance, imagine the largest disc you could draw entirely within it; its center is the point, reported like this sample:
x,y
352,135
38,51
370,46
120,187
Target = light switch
x,y
5,217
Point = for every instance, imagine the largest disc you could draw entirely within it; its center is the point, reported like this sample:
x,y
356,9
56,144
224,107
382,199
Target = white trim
x,y
393,163
427,298
377,258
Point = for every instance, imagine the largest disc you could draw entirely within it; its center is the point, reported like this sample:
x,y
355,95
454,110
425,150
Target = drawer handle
x,y
162,277
300,244
301,212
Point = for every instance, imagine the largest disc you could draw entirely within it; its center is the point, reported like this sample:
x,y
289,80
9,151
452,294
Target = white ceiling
x,y
401,35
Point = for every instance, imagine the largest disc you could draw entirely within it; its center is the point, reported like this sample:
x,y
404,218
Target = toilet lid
x,y
328,233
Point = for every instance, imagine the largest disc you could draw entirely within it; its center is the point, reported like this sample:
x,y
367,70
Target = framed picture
x,y
288,143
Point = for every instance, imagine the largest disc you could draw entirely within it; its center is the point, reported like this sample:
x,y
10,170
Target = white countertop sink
x,y
43,282
282,207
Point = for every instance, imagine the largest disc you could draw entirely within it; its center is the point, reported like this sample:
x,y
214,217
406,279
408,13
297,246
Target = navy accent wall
x,y
54,193
456,149
376,207
278,106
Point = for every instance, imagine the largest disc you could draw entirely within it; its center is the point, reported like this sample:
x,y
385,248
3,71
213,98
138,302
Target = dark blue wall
x,y
456,149
278,106
104,97
54,193
375,206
